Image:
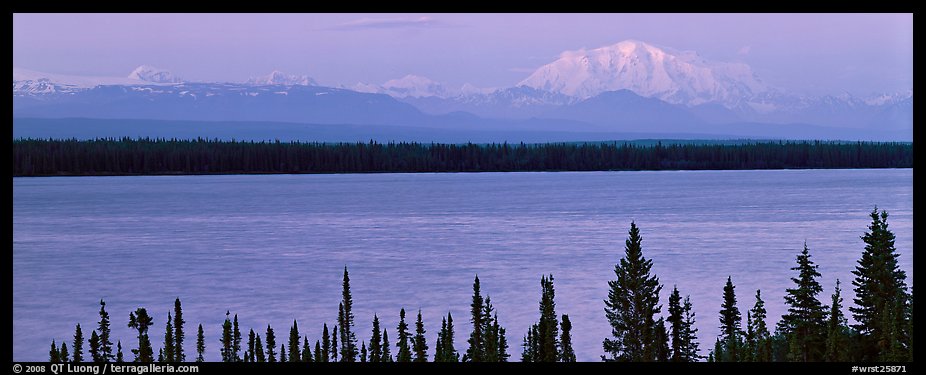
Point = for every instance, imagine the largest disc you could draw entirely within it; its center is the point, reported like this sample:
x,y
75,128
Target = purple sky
x,y
811,53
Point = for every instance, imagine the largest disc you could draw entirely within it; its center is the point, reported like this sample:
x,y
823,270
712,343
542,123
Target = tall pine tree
x,y
837,330
294,343
200,344
226,339
476,350
761,343
95,355
141,321
78,345
179,355
271,345
633,301
730,327
106,345
567,354
404,353
804,324
169,343
419,343
879,284
346,323
376,341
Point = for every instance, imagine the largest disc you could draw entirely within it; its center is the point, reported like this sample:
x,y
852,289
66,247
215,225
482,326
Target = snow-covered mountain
x,y
410,86
672,76
30,82
148,73
277,77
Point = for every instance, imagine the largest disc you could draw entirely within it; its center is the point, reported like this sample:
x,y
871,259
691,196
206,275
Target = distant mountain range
x,y
628,87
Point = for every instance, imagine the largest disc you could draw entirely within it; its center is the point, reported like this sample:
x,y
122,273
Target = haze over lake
x,y
271,248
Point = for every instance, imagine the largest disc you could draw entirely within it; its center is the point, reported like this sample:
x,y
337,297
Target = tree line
x,y
810,331
38,157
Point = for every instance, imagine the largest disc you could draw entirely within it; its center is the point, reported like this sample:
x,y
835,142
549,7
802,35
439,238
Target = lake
x,y
272,248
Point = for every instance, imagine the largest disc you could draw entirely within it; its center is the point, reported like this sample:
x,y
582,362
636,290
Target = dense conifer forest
x,y
815,328
35,157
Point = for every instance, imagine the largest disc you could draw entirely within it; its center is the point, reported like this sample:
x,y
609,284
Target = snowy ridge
x,y
149,73
277,77
675,77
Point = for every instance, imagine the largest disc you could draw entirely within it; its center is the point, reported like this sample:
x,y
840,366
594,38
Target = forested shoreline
x,y
38,157
810,331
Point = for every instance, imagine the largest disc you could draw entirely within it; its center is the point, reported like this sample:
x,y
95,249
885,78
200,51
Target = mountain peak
x,y
649,71
277,77
149,73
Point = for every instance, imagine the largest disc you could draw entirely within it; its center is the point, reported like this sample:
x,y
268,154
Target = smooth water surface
x,y
271,248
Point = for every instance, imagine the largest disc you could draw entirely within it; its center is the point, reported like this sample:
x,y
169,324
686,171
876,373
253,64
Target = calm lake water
x,y
271,248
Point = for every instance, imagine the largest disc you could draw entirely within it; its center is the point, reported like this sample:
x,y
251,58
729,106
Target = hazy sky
x,y
811,53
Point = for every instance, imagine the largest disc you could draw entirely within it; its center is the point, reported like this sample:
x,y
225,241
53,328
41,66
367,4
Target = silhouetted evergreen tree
x,y
476,350
334,344
236,341
200,344
179,335
169,340
249,354
633,301
78,345
64,352
54,356
119,358
326,344
387,356
548,326
805,321
259,348
271,345
95,355
760,344
376,341
837,330
106,346
879,285
282,353
404,353
419,343
363,352
346,323
294,343
567,354
444,349
318,352
226,340
730,327
141,321
661,350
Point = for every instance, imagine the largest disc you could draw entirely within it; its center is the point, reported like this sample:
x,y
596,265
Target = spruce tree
x,y
387,355
661,342
676,323
200,344
318,352
476,350
363,351
106,346
633,301
879,283
161,355
282,353
730,326
334,344
761,344
64,352
249,355
259,347
271,345
690,334
528,345
179,355
502,345
54,356
547,327
236,341
805,320
376,341
119,358
326,344
346,324
95,355
489,335
78,345
169,340
294,343
141,321
837,335
450,352
227,338
567,354
419,343
404,353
